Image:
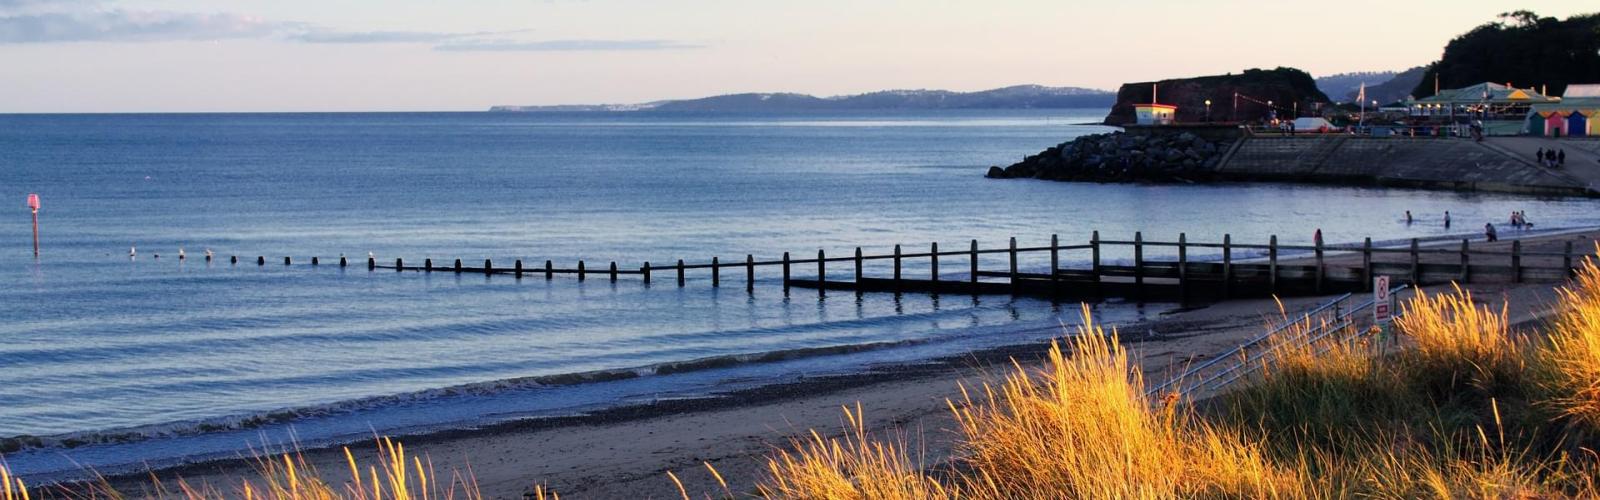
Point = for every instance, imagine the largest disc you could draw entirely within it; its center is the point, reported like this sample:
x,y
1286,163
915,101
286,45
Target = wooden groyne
x,y
1227,269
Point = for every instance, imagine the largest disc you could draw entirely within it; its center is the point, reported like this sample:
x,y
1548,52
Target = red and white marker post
x,y
33,203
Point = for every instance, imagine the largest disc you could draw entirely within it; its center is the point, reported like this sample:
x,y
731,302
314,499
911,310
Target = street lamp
x,y
1208,111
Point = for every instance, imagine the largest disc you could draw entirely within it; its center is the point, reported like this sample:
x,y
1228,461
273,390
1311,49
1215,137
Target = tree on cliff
x,y
1287,89
1521,48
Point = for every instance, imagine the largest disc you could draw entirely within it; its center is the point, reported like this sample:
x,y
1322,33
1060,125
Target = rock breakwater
x,y
1122,157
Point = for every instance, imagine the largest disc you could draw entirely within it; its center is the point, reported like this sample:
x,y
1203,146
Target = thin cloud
x,y
565,46
119,25
136,26
328,36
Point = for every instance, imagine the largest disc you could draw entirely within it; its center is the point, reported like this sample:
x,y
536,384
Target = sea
x,y
116,355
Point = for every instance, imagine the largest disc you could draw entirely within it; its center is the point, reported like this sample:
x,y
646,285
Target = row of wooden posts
x,y
1138,271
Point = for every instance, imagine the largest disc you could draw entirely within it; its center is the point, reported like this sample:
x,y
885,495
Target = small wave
x,y
245,421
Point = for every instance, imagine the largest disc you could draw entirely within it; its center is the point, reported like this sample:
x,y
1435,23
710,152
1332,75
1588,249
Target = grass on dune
x,y
1459,406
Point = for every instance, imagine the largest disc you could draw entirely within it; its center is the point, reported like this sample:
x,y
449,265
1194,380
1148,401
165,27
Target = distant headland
x,y
1014,97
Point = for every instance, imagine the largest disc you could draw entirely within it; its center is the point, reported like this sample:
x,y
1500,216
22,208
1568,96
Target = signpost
x,y
1382,311
33,203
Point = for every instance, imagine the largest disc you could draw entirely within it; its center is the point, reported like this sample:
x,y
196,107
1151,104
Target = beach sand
x,y
626,453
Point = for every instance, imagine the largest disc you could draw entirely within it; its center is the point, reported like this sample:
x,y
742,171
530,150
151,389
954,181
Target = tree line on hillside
x,y
1523,49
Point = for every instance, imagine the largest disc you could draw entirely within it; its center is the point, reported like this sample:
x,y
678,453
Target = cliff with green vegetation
x,y
1284,87
1521,48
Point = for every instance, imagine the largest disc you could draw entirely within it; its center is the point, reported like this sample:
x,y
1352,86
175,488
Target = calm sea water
x,y
159,360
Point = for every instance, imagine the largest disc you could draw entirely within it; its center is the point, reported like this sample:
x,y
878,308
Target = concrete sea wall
x,y
1437,163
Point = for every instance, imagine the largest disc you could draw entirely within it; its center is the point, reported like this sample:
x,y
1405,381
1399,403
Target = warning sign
x,y
1381,305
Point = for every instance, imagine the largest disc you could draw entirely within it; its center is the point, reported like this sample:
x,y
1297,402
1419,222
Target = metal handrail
x,y
1247,344
1341,322
1342,319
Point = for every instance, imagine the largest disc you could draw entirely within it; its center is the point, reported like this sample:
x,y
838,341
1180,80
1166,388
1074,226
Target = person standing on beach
x,y
1447,219
1408,217
1488,232
1317,238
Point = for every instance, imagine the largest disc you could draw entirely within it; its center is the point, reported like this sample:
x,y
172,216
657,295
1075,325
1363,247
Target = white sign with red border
x,y
1381,312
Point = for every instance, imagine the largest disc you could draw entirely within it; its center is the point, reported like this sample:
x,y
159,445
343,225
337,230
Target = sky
x,y
62,56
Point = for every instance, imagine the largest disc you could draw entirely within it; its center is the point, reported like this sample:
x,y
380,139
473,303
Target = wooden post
x,y
645,271
458,265
1416,263
1138,262
933,262
1183,268
680,273
427,265
786,272
488,266
1322,269
580,271
549,270
613,271
716,273
1094,263
1465,274
1055,263
1272,264
858,268
1566,260
1013,269
974,265
285,260
749,272
1227,264
1516,261
822,273
1366,264
897,266
519,268
399,265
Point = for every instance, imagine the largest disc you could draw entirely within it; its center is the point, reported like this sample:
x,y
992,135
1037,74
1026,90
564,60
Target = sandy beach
x,y
626,453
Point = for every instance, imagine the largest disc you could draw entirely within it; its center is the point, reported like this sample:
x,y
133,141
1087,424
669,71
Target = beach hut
x,y
1554,123
1577,124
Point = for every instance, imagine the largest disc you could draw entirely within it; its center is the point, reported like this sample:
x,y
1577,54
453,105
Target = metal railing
x,y
1331,318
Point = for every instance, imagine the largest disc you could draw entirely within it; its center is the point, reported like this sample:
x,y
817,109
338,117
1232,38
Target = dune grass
x,y
1460,406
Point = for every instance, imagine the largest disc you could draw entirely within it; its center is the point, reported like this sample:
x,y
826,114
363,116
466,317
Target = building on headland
x,y
1153,112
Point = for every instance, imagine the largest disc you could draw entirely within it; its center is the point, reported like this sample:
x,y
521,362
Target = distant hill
x,y
1284,87
1396,89
1017,97
1343,86
1523,49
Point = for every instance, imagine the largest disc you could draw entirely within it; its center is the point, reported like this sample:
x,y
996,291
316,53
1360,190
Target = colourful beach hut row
x,y
1556,122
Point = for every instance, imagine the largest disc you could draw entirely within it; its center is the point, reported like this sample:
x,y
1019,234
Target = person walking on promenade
x,y
1447,219
1561,157
1539,155
1488,232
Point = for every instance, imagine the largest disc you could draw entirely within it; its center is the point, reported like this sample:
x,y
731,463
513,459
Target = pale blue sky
x,y
354,55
